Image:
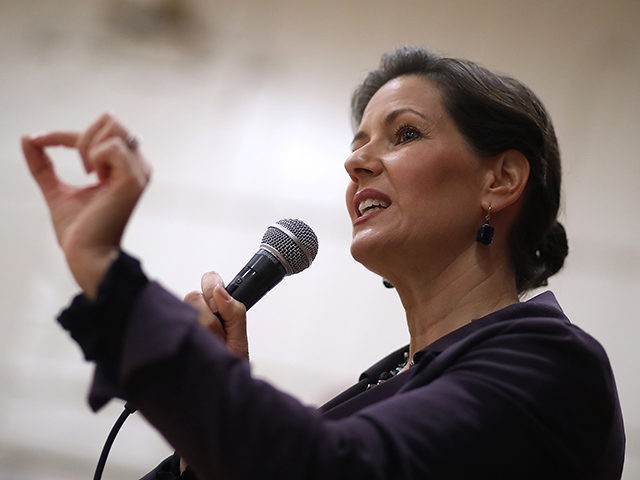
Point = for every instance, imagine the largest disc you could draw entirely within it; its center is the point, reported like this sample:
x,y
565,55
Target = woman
x,y
453,195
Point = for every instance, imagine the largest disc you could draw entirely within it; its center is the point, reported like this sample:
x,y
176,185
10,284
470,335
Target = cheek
x,y
444,183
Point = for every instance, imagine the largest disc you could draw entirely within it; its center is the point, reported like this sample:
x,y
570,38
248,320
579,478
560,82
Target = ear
x,y
506,180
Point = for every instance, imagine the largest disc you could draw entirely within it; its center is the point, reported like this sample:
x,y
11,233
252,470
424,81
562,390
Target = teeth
x,y
371,203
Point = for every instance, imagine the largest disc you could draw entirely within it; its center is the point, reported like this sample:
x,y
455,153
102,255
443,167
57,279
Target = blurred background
x,y
243,111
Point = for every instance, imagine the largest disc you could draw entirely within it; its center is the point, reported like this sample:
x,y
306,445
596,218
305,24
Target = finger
x,y
208,283
84,141
110,128
234,320
206,318
111,131
58,138
107,159
231,310
112,159
40,166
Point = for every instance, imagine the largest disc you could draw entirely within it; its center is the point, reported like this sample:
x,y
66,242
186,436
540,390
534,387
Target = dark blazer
x,y
521,393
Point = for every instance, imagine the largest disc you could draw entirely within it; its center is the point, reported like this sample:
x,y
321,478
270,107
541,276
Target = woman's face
x,y
415,189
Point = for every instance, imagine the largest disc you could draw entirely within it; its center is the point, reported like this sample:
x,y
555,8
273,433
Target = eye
x,y
406,133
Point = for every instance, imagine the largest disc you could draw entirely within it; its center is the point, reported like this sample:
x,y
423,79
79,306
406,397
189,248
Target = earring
x,y
485,232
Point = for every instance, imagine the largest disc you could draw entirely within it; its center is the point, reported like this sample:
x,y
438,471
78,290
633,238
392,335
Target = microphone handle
x,y
263,272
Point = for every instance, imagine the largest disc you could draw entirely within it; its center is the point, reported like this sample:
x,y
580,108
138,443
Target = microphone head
x,y
292,242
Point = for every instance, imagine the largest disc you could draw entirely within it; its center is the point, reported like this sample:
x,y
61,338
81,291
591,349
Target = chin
x,y
370,253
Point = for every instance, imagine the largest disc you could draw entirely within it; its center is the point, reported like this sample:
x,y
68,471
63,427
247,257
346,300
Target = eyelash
x,y
406,129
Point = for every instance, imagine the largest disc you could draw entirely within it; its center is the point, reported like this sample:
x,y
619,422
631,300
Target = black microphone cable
x,y
128,410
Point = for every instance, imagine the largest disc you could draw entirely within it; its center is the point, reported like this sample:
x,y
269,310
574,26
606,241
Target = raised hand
x,y
89,220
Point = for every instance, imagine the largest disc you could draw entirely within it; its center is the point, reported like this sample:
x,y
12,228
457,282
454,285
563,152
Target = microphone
x,y
288,246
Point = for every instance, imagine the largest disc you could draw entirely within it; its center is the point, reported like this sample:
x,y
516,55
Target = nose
x,y
363,163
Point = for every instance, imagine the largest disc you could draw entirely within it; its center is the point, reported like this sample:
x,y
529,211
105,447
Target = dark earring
x,y
485,232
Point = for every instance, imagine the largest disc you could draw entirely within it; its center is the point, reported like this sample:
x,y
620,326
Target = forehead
x,y
411,91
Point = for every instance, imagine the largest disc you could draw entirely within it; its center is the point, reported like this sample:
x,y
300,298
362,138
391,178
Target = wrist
x,y
89,268
98,324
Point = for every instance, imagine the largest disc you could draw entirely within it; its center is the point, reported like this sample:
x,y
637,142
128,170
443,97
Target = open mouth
x,y
371,204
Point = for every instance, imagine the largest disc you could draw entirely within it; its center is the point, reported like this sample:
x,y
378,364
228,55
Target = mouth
x,y
371,204
369,201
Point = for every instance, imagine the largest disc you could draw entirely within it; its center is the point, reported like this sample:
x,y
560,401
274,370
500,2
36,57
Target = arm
x,y
89,223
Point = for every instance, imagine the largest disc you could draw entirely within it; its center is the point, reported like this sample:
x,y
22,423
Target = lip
x,y
363,195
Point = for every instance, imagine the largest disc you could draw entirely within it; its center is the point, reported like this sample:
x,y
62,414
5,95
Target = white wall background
x,y
243,107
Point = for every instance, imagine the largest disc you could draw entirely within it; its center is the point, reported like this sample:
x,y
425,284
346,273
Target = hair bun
x,y
552,251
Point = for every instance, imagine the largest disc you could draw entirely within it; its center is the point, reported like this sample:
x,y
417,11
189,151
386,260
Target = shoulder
x,y
533,338
541,327
529,369
538,324
530,358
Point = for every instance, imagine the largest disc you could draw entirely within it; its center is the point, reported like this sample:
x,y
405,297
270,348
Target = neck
x,y
458,293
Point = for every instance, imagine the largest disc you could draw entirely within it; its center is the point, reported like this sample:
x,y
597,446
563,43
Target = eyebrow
x,y
391,116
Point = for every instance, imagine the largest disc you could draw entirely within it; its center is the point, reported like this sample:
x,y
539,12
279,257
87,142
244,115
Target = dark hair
x,y
494,113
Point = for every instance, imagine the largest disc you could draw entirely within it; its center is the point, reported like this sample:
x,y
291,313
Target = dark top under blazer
x,y
518,394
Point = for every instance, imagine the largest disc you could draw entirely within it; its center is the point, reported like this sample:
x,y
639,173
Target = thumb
x,y
234,320
206,317
208,283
